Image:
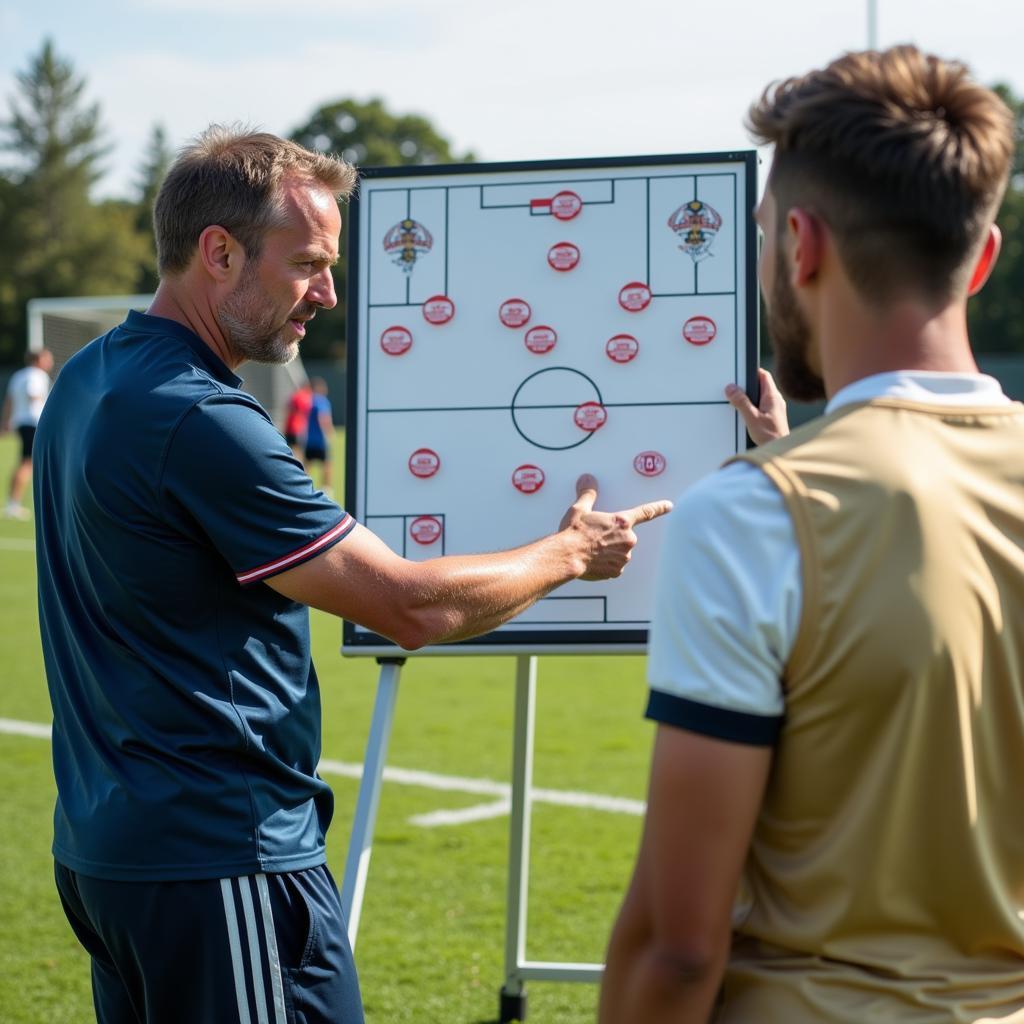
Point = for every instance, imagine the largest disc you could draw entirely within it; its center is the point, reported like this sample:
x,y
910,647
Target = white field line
x,y
478,812
16,544
432,780
35,729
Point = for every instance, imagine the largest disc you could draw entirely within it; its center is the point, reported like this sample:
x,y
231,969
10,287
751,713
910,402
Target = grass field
x,y
431,939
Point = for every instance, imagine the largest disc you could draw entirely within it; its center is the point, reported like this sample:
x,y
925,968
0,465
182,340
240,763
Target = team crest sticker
x,y
406,242
697,226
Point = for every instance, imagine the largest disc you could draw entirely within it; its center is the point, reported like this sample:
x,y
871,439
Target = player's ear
x,y
987,260
805,237
220,254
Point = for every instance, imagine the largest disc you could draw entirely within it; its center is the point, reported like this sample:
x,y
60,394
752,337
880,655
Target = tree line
x,y
55,239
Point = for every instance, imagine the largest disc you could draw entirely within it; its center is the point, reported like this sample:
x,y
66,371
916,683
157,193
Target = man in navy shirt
x,y
179,545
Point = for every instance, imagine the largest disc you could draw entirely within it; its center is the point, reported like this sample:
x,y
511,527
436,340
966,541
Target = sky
x,y
525,80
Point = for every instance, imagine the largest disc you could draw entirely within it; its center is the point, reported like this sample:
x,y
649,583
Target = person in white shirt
x,y
836,659
23,405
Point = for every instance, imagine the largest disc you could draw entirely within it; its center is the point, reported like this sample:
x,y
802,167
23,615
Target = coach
x,y
179,545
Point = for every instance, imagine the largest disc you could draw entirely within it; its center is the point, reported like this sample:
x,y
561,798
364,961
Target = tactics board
x,y
511,326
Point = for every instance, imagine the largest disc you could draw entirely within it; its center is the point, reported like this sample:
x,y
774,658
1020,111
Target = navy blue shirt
x,y
186,707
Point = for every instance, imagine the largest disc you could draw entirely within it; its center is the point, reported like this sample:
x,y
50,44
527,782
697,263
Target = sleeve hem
x,y
720,723
297,557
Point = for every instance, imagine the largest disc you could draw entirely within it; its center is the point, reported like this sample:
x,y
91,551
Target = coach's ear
x,y
987,260
220,254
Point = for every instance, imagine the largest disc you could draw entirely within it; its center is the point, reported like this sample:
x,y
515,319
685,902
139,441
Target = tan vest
x,y
886,875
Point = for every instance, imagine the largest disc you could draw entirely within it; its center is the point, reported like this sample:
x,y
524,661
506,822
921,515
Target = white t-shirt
x,y
27,389
728,596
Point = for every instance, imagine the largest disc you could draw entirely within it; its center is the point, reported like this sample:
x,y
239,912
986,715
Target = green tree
x,y
1016,105
996,315
55,240
156,161
369,135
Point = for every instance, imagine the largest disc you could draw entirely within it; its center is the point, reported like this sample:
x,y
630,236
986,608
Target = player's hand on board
x,y
607,537
767,420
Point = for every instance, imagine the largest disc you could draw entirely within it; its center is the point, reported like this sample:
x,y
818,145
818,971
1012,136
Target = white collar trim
x,y
928,386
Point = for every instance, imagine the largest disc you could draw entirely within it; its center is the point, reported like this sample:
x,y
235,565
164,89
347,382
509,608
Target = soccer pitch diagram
x,y
513,326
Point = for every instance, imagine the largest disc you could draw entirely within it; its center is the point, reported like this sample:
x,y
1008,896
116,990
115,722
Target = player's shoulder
x,y
722,488
737,498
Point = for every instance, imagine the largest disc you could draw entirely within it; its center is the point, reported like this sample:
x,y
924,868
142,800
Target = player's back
x,y
886,875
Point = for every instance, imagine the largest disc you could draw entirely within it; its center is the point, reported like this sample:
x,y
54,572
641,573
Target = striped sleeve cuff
x,y
307,551
720,723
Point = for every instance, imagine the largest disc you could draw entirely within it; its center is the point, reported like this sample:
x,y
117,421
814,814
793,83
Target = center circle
x,y
544,404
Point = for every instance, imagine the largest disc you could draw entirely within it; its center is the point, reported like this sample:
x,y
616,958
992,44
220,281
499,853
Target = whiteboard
x,y
511,326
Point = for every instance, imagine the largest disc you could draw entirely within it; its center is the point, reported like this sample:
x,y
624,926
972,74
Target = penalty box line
x,y
499,805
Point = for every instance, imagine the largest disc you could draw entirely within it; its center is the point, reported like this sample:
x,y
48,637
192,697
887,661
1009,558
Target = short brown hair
x,y
231,176
902,154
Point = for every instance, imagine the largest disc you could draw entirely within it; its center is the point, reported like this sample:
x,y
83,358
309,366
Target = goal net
x,y
64,325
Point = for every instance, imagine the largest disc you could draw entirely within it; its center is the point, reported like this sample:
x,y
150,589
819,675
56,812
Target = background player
x,y
837,652
23,405
297,418
319,431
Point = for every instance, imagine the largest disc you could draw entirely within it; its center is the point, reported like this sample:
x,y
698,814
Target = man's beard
x,y
790,336
250,326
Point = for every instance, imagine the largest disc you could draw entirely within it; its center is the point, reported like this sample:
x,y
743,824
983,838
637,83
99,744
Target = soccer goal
x,y
67,324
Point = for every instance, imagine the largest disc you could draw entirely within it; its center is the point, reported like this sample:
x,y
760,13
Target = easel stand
x,y
518,970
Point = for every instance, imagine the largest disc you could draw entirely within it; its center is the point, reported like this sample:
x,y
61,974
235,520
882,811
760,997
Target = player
x,y
320,428
179,545
837,652
26,394
297,418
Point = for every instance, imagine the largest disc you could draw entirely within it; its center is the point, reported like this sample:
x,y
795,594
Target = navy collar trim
x,y
146,323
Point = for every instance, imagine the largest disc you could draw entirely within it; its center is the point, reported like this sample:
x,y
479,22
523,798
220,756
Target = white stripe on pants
x,y
259,953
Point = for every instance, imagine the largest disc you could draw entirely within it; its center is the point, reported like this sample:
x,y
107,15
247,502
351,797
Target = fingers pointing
x,y
648,511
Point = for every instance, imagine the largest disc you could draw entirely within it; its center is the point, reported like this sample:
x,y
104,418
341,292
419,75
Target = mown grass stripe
x,y
16,544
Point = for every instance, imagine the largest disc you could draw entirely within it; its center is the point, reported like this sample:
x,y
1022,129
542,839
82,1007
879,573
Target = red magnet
x,y
438,309
563,206
425,529
423,462
649,463
566,205
514,312
622,348
590,415
541,339
699,330
635,296
563,256
396,341
528,479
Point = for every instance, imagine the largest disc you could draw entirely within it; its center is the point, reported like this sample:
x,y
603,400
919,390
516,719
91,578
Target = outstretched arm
x,y
767,420
460,596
